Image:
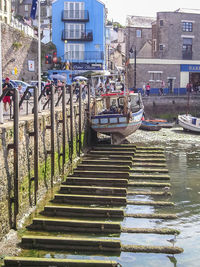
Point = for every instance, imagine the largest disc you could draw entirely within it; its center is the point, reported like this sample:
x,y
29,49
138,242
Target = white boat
x,y
189,122
120,116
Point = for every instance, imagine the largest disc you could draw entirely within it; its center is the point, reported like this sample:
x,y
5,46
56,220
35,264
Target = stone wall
x,y
17,50
26,163
170,107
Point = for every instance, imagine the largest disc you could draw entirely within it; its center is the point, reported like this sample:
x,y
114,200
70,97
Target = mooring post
x,y
71,125
16,156
52,135
36,145
64,125
80,120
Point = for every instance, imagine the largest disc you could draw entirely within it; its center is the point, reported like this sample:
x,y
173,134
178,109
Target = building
x,y
5,11
22,9
78,32
168,50
115,40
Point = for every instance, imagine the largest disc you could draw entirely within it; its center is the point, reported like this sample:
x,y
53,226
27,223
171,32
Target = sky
x,y
118,9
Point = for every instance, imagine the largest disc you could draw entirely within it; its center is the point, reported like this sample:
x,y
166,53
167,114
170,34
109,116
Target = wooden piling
x,y
152,249
159,231
35,262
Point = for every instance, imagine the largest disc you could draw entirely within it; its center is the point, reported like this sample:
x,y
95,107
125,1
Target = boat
x,y
162,123
189,123
120,115
150,126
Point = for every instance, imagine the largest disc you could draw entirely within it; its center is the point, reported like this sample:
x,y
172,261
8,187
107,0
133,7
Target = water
x,y
183,160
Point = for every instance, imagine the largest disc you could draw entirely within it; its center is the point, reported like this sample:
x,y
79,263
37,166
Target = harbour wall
x,y
170,107
26,162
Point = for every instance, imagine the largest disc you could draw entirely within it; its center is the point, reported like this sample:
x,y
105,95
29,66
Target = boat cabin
x,y
120,103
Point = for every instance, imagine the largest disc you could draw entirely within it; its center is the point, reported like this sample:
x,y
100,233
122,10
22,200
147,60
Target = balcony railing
x,y
77,35
77,56
186,55
75,15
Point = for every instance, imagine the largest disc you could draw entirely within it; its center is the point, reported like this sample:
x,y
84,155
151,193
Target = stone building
x,y
22,8
116,49
167,49
5,11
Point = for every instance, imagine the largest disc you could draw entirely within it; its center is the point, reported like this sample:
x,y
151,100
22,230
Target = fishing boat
x,y
120,115
189,123
150,126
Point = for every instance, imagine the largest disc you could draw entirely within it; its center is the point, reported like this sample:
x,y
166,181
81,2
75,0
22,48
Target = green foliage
x,y
17,45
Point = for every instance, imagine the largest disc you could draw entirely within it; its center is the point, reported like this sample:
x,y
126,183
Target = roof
x,y
139,21
188,10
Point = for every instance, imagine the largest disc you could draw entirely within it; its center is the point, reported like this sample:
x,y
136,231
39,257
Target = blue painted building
x,y
78,31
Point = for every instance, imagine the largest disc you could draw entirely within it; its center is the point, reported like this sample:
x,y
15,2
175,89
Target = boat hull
x,y
148,126
187,123
117,124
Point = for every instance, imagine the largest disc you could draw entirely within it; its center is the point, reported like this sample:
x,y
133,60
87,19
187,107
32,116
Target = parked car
x,y
35,83
24,86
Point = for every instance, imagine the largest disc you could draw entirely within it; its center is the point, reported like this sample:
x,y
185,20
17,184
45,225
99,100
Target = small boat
x,y
150,126
163,123
120,115
189,123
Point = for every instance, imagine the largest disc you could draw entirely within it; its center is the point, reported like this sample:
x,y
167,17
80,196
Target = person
x,y
47,88
7,97
59,87
161,90
189,87
148,89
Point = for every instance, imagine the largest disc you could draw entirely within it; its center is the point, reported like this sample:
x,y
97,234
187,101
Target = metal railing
x,y
67,129
75,15
84,55
77,35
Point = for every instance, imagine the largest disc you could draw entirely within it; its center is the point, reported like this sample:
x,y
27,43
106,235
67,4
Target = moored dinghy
x,y
189,123
150,126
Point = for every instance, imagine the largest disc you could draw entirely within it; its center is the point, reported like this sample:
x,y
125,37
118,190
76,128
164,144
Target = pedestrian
x,y
189,87
161,89
7,98
48,88
148,89
59,87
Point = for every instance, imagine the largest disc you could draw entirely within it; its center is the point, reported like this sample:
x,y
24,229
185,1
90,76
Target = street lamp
x,y
134,51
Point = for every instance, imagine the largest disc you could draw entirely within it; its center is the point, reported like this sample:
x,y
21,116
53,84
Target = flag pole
x,y
39,54
1,103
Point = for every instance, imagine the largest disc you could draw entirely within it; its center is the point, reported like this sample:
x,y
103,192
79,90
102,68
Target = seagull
x,y
173,240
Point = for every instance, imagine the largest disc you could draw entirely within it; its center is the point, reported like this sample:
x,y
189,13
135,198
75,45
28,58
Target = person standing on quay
x,y
148,87
7,99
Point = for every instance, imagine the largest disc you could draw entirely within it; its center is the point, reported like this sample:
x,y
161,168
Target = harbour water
x,y
182,151
183,161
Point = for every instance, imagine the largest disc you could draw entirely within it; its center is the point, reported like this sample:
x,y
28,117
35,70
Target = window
x,y
154,45
74,30
74,51
187,48
161,47
155,76
161,23
75,9
138,33
25,7
187,26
